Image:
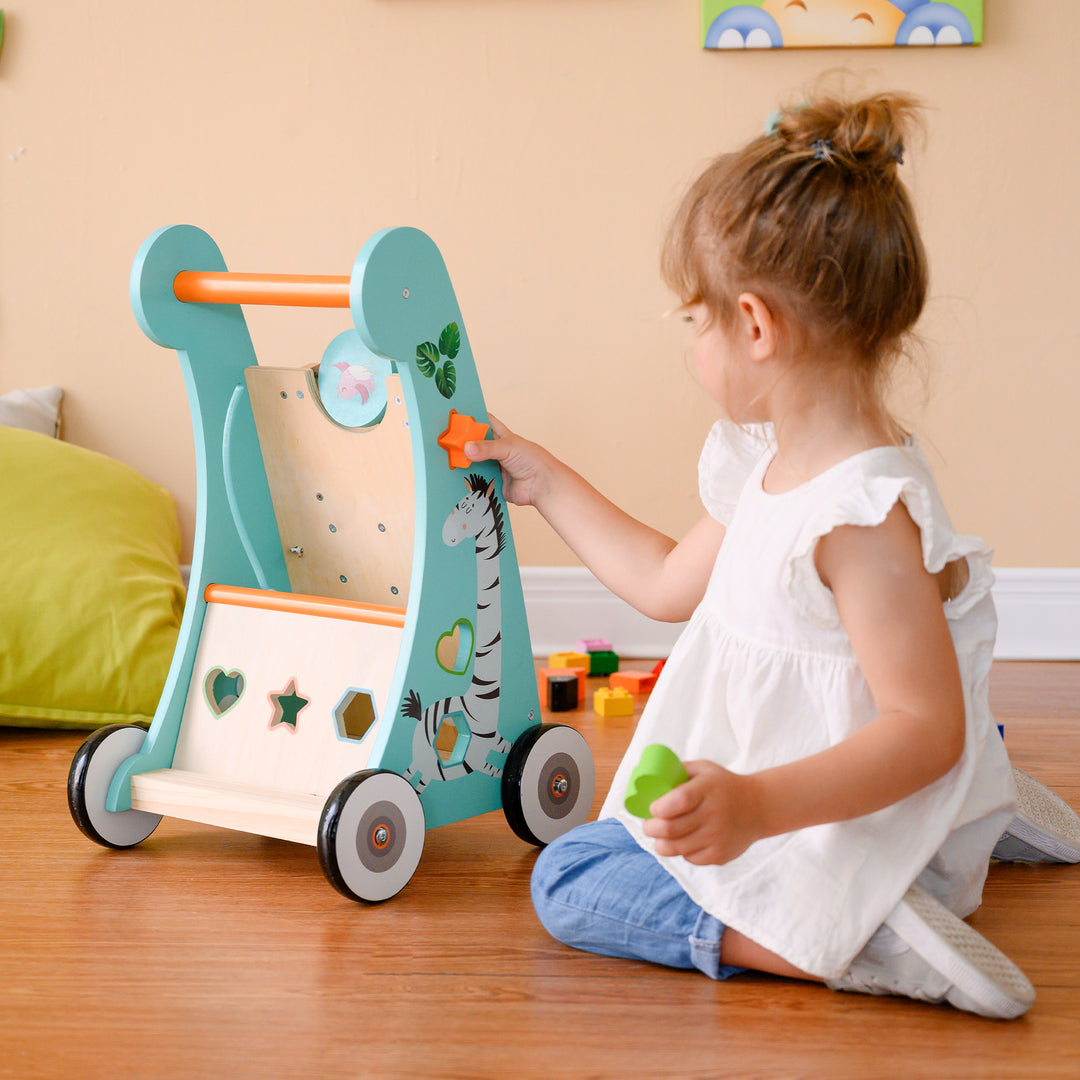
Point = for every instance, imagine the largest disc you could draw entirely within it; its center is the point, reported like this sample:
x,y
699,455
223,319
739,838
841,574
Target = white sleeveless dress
x,y
765,674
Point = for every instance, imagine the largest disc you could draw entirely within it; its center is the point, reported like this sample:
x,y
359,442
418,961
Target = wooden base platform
x,y
230,805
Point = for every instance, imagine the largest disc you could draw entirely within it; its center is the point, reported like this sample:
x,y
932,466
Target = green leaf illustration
x,y
450,340
446,379
427,357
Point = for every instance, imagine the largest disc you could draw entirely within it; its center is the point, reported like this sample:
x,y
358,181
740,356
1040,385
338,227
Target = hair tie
x,y
898,153
823,149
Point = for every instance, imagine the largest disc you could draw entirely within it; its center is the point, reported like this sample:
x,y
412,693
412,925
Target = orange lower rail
x,y
299,604
224,287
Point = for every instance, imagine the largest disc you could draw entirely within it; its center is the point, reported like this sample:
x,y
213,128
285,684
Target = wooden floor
x,y
205,953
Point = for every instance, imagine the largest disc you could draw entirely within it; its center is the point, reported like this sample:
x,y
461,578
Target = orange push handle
x,y
297,603
282,290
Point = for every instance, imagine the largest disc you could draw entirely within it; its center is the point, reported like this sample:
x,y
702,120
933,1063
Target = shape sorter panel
x,y
278,700
344,498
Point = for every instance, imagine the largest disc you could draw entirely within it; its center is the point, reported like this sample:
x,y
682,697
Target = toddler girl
x,y
829,695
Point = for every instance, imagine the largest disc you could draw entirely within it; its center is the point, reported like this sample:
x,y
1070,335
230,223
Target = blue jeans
x,y
597,889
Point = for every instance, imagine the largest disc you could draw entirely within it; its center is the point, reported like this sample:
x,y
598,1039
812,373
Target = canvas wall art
x,y
787,24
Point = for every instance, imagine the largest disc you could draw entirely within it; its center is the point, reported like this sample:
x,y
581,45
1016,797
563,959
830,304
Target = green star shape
x,y
287,706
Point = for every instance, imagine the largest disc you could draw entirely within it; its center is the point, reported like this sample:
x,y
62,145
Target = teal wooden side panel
x,y
236,538
404,307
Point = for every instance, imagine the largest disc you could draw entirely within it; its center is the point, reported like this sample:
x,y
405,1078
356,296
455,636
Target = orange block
x,y
546,673
636,682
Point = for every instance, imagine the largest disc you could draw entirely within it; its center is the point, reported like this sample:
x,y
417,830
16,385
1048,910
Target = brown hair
x,y
814,218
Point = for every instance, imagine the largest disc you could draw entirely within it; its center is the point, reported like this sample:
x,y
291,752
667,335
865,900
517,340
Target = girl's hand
x,y
661,578
524,465
708,820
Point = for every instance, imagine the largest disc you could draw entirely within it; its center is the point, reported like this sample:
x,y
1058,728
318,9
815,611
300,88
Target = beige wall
x,y
541,143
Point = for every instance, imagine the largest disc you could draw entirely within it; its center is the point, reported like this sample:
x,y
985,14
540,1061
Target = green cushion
x,y
90,589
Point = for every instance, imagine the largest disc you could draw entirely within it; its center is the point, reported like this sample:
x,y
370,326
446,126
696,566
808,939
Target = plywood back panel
x,y
343,497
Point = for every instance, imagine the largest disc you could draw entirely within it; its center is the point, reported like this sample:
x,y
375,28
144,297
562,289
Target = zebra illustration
x,y
478,516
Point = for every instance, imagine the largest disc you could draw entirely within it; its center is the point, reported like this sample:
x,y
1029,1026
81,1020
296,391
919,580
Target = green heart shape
x,y
222,690
454,649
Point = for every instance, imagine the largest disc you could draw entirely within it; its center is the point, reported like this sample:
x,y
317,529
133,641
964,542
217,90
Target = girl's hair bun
x,y
813,216
867,134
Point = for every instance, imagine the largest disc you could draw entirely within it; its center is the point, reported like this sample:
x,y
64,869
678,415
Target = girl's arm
x,y
892,611
661,578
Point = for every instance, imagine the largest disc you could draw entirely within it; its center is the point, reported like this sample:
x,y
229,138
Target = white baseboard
x,y
566,603
1038,614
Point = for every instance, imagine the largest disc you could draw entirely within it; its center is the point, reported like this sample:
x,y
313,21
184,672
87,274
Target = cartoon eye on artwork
x,y
934,24
744,26
765,24
445,753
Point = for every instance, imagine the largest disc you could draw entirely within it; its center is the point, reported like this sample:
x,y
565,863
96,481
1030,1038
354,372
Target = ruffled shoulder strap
x,y
728,458
862,491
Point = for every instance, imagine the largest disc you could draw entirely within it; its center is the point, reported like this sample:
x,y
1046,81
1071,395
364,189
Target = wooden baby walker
x,y
353,666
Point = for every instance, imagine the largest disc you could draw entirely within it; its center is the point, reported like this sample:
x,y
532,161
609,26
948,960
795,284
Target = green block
x,y
603,663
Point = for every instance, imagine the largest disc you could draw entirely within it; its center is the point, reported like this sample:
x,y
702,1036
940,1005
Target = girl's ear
x,y
759,326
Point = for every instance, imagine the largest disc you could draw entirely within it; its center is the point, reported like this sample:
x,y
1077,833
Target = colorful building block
x,y
562,692
546,674
593,644
634,682
569,660
607,702
637,682
603,663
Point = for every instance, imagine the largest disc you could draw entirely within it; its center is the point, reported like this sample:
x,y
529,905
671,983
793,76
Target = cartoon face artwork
x,y
468,518
464,727
848,22
774,24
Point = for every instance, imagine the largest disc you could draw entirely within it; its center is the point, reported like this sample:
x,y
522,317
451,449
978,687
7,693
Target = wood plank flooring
x,y
208,953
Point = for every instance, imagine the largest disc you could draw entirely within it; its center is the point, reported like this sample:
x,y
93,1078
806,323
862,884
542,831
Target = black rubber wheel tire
x,y
371,835
548,783
92,770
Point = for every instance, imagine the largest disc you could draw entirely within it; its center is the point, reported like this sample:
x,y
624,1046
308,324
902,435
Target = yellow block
x,y
617,702
569,660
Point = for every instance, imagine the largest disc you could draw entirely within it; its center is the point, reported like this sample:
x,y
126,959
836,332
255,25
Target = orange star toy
x,y
462,429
